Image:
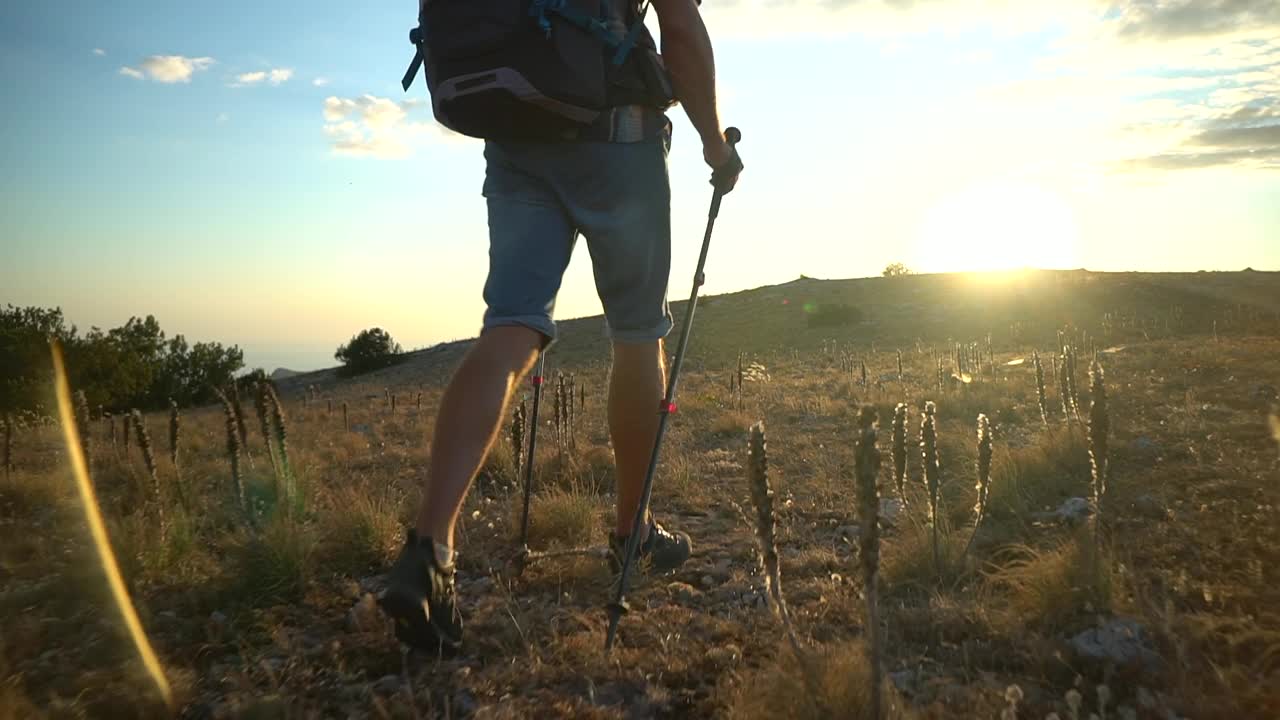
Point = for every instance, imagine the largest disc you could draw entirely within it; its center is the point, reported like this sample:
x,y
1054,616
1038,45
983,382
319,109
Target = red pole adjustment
x,y
666,407
537,379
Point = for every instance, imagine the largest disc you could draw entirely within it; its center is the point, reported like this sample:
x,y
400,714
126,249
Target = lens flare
x,y
93,516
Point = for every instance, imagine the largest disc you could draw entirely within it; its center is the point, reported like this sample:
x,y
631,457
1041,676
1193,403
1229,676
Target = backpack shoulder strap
x,y
633,34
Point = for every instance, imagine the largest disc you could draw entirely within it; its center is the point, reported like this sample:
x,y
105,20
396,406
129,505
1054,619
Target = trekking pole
x,y
528,464
618,607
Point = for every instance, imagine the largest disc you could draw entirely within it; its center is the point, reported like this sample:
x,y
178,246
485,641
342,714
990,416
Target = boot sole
x,y
413,624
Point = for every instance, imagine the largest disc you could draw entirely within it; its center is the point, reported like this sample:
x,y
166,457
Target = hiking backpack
x,y
533,69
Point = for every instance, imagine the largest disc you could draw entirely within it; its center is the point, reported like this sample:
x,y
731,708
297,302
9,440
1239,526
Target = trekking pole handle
x,y
733,135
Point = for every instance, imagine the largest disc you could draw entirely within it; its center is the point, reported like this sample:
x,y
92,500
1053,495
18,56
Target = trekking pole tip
x,y
733,135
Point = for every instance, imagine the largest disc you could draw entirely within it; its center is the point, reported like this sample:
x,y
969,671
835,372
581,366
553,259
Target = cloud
x,y
223,118
371,126
1248,136
320,81
168,69
275,76
99,52
1170,19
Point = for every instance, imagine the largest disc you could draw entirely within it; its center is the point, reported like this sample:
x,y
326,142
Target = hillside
x,y
1153,595
899,312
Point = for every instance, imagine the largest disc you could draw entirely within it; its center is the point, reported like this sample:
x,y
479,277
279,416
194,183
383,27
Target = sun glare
x,y
997,227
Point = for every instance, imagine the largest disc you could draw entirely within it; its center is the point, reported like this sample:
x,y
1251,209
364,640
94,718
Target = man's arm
x,y
686,50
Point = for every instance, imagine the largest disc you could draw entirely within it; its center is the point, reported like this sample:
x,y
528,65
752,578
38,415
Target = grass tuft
x,y
560,517
277,562
1050,588
839,690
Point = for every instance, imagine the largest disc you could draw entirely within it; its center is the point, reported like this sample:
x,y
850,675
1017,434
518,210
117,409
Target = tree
x,y
370,350
896,270
125,367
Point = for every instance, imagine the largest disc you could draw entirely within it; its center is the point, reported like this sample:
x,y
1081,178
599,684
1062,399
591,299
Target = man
x,y
616,193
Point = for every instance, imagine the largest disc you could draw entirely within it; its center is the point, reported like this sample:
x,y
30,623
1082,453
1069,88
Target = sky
x,y
252,173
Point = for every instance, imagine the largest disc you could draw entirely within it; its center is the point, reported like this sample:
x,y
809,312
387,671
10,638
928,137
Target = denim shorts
x,y
542,195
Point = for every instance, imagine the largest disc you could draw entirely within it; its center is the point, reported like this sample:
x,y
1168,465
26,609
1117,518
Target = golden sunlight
x,y
997,227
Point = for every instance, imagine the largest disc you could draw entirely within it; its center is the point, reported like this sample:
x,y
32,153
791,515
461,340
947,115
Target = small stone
x,y
708,581
364,616
903,680
724,657
387,684
684,593
1120,641
890,509
1073,509
1148,506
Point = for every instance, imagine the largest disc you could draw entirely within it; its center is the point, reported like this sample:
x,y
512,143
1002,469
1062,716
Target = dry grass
x,y
781,691
1050,588
561,518
1196,569
276,563
364,530
908,560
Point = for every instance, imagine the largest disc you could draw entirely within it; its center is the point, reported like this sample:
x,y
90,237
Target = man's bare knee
x,y
643,352
514,345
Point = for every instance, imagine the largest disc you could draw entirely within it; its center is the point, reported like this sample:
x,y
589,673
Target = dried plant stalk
x,y
984,470
1064,386
175,432
517,436
1071,381
285,469
233,452
346,425
866,470
1099,428
762,500
241,426
899,366
8,445
900,451
81,407
124,424
261,405
1274,420
149,460
766,537
1040,394
932,471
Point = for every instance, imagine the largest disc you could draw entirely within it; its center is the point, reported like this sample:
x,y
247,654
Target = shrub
x,y
833,315
372,349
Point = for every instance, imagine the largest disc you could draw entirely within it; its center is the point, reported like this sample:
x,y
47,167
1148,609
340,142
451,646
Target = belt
x,y
625,124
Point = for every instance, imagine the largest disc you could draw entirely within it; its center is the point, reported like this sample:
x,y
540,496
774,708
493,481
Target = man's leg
x,y
636,389
470,417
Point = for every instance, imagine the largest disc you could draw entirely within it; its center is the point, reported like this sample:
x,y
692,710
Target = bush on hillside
x,y
132,366
833,316
370,350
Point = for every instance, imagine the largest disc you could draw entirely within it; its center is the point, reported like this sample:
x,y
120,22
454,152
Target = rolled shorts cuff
x,y
643,335
539,323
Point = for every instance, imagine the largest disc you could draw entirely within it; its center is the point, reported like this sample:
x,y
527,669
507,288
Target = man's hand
x,y
724,162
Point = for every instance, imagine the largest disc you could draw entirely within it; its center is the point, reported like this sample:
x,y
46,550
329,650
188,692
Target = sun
x,y
997,226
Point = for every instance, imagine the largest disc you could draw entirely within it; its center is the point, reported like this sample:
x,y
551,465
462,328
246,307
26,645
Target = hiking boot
x,y
421,599
663,551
